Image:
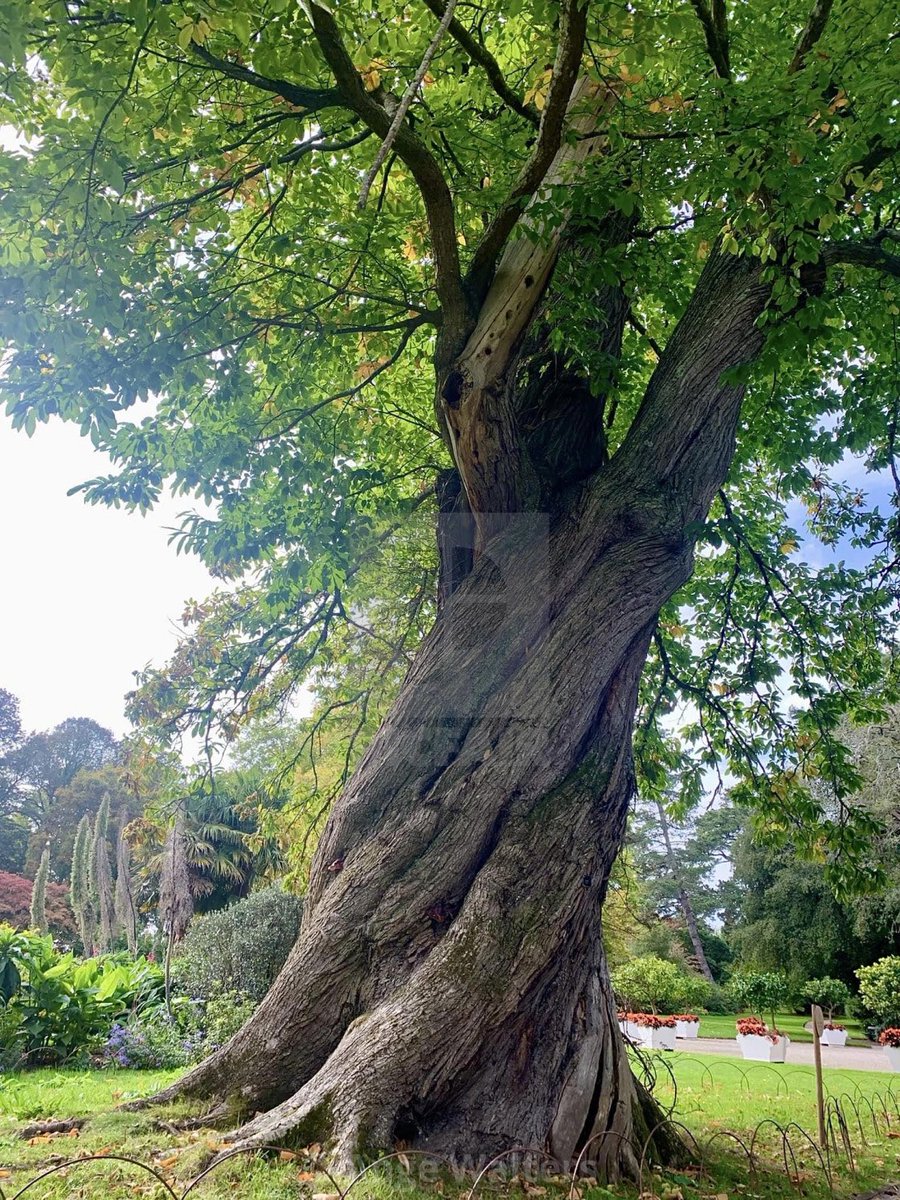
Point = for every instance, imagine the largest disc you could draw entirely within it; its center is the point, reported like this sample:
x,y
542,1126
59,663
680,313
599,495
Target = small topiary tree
x,y
761,992
652,982
241,948
879,989
829,993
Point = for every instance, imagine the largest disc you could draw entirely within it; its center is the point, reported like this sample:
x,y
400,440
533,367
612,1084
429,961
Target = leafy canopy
x,y
189,277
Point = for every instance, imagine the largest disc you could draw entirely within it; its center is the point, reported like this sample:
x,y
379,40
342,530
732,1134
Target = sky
x,y
88,594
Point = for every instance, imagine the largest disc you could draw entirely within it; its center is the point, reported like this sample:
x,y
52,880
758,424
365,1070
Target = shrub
x,y
653,983
879,989
151,1042
60,1006
829,993
240,949
760,992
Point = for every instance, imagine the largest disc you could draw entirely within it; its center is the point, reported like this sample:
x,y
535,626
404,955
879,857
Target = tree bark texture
x,y
448,986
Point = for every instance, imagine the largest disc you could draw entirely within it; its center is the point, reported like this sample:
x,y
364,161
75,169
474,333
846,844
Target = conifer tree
x,y
39,893
80,885
101,881
126,912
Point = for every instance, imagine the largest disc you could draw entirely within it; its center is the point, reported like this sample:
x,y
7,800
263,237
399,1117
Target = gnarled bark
x,y
448,985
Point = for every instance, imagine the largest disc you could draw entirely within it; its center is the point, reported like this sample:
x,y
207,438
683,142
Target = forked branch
x,y
573,27
715,30
480,54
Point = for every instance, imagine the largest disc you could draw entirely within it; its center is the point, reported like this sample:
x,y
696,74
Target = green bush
x,y
59,1006
240,949
830,994
879,989
660,986
760,992
153,1040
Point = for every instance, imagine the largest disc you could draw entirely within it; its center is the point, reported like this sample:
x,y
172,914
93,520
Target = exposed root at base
x,y
42,1128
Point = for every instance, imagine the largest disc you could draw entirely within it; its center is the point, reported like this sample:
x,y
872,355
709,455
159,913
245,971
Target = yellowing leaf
x,y
371,74
629,76
788,546
537,93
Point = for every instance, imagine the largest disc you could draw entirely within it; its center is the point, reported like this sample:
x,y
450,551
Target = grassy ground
x,y
711,1095
715,1025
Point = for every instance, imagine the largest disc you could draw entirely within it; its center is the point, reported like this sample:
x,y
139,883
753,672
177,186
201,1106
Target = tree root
x,y
42,1128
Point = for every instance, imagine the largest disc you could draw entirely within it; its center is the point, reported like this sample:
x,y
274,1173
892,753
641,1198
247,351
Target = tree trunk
x,y
449,986
684,899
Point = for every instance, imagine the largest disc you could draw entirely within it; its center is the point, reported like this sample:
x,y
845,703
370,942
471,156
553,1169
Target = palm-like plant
x,y
225,848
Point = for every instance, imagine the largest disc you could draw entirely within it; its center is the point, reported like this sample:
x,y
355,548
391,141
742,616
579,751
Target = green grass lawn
x,y
712,1095
716,1025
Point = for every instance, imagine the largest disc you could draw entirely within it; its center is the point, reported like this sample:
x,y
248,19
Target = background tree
x,y
682,864
84,796
777,900
46,763
609,322
654,984
13,830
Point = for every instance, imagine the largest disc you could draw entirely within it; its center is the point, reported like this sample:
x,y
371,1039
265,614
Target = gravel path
x,y
852,1058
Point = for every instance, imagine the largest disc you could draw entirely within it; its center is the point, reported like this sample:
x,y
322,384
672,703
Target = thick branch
x,y
573,24
310,99
479,54
423,166
715,31
687,421
815,27
868,253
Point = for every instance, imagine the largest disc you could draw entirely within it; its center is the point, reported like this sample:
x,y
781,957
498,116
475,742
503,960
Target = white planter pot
x,y
654,1039
893,1056
687,1029
834,1037
763,1049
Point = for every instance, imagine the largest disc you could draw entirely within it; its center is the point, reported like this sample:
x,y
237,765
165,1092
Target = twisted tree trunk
x,y
448,986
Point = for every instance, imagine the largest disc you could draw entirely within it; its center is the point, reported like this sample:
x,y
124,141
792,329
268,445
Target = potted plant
x,y
834,1034
890,1039
650,1031
686,1025
760,1043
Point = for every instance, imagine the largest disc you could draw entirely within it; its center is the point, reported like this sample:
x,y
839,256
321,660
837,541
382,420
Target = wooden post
x,y
818,1024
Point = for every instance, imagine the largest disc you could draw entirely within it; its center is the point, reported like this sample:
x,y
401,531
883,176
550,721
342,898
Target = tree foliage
x,y
660,986
830,994
256,338
879,989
